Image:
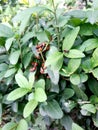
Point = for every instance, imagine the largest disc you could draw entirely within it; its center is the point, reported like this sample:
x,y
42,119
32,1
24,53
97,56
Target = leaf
x,y
87,65
10,126
68,93
3,66
31,79
73,53
22,125
27,36
75,79
89,107
95,73
17,93
26,59
93,86
87,29
55,60
42,36
40,84
79,93
29,108
9,43
76,127
22,81
70,38
83,77
89,44
95,53
66,121
40,95
54,75
14,56
53,110
5,31
73,65
10,72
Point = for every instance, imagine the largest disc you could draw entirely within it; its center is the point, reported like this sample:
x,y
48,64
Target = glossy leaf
x,y
10,72
10,126
22,125
66,121
79,92
14,57
73,65
89,107
40,84
5,31
70,38
27,59
55,60
17,93
40,95
89,44
53,110
68,93
22,81
9,43
29,108
75,79
73,53
76,127
31,79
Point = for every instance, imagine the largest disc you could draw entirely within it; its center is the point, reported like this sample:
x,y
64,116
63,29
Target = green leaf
x,y
29,108
40,95
94,99
10,126
9,43
5,31
79,93
70,38
68,93
42,36
22,81
95,73
3,66
76,127
87,29
87,65
66,121
89,44
75,79
55,60
73,65
83,77
53,110
73,53
10,72
54,75
89,107
22,125
93,86
26,59
31,79
14,56
17,93
40,84
95,54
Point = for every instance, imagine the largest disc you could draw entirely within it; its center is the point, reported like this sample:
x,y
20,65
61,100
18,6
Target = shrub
x,y
49,69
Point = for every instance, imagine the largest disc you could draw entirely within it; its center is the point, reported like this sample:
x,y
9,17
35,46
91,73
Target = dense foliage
x,y
48,67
